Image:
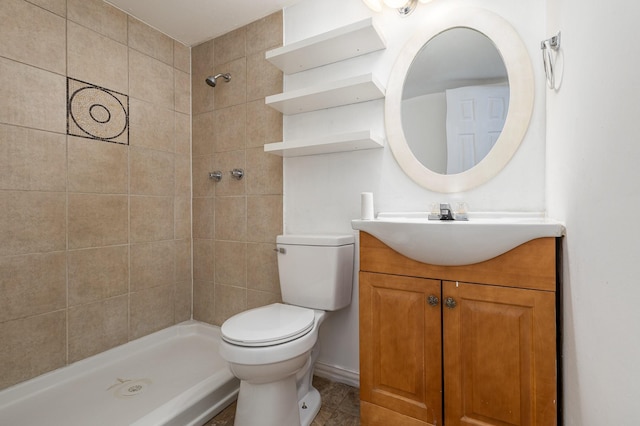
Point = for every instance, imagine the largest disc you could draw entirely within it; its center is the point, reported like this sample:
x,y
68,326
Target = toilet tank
x,y
316,271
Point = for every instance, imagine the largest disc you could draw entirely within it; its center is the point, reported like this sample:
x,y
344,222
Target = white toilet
x,y
272,349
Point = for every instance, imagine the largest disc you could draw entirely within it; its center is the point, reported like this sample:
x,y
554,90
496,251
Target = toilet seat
x,y
268,325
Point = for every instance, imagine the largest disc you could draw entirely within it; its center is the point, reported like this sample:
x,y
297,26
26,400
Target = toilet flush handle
x,y
281,250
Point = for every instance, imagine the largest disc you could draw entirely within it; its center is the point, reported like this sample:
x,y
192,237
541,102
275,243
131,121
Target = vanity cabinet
x,y
458,345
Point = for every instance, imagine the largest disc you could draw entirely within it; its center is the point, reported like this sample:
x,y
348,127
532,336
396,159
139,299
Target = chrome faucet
x,y
445,212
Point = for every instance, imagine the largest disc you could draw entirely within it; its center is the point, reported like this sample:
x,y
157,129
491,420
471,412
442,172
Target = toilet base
x,y
309,406
268,404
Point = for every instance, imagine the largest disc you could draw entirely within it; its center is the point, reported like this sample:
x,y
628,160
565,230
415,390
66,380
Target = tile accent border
x,y
97,113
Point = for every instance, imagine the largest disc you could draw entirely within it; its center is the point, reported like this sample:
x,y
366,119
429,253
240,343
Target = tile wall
x,y
235,223
95,237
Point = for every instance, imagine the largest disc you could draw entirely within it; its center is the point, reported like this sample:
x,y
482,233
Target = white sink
x,y
483,237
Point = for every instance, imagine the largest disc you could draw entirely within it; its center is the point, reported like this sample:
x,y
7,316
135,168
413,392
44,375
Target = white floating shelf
x,y
336,45
348,91
354,141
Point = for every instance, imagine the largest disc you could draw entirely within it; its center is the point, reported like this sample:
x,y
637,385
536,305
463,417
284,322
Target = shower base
x,y
174,377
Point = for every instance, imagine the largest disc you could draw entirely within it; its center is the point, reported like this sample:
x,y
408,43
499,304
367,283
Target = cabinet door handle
x,y
433,300
450,302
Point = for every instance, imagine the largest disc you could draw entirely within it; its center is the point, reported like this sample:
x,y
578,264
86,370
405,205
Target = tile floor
x,y
340,406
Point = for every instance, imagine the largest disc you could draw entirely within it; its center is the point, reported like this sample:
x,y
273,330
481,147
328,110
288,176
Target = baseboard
x,y
337,374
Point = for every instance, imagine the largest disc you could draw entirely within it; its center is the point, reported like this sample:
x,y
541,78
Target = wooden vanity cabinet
x,y
459,345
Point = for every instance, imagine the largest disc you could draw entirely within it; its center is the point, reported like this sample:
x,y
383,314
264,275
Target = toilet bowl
x,y
274,365
272,349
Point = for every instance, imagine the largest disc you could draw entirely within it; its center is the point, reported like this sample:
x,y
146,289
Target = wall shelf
x,y
353,141
346,42
351,90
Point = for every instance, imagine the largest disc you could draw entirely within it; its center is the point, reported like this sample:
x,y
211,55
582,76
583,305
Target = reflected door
x,y
475,118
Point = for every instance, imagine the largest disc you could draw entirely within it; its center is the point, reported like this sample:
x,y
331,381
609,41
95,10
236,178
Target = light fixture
x,y
404,7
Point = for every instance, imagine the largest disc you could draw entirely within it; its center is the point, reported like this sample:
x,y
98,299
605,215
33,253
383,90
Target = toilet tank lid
x,y
316,240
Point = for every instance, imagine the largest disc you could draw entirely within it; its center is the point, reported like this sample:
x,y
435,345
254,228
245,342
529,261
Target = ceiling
x,y
193,21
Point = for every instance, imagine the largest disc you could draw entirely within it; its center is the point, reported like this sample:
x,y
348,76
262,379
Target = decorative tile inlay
x,y
94,112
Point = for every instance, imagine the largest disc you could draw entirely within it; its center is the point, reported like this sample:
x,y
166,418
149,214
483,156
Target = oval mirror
x,y
459,100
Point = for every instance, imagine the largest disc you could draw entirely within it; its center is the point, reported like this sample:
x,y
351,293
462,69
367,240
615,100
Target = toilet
x,y
272,349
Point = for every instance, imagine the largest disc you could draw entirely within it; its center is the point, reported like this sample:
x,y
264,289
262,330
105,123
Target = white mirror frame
x,y
521,83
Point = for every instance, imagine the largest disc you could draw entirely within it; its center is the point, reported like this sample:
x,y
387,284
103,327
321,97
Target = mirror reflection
x,y
455,100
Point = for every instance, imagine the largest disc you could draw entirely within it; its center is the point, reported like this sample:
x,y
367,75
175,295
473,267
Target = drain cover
x,y
126,388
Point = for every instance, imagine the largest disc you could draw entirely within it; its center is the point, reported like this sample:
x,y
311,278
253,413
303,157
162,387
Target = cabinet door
x,y
499,355
400,349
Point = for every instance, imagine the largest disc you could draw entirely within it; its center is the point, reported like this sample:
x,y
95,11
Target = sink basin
x,y
483,237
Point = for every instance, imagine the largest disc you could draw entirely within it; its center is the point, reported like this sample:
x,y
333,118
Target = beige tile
x,y
32,159
262,268
203,186
204,301
182,218
231,218
150,41
183,260
32,285
265,175
97,274
202,99
182,83
32,35
152,309
59,7
96,59
264,124
202,57
255,298
152,172
32,222
96,166
100,17
203,218
235,91
151,126
181,57
96,327
150,80
32,346
229,46
35,98
152,265
265,33
182,175
264,218
229,301
182,134
230,128
263,78
97,220
203,260
151,218
231,263
183,301
204,135
226,162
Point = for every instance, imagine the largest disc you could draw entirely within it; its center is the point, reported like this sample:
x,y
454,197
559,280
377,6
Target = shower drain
x,y
127,388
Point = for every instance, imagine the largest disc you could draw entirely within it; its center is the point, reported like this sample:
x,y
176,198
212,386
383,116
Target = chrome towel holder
x,y
548,59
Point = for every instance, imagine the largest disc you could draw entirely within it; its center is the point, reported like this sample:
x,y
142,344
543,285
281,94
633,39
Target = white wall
x,y
593,185
322,193
424,121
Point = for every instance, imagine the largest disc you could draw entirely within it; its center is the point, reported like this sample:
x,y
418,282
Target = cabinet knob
x,y
450,302
433,300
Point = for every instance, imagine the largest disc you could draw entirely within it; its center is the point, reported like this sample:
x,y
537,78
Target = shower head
x,y
211,80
